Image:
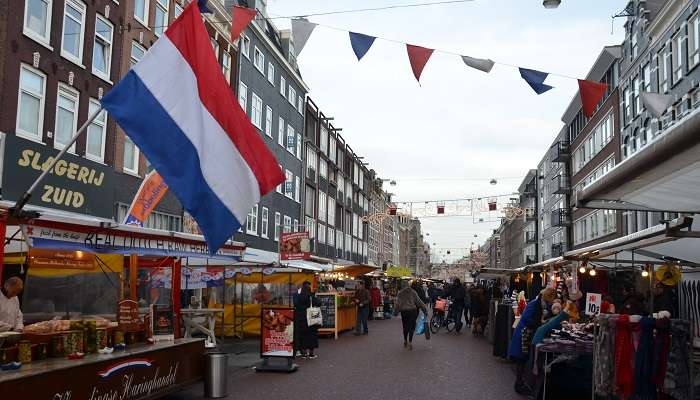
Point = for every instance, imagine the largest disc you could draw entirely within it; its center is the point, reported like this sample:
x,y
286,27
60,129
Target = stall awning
x,y
664,175
355,270
675,241
551,262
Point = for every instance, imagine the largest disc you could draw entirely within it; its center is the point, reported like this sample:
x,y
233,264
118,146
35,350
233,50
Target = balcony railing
x,y
560,151
560,185
558,249
531,237
561,217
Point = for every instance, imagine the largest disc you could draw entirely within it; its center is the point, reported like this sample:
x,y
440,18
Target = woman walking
x,y
308,335
408,303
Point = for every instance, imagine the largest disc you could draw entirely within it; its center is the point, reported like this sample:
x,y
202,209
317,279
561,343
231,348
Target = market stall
x,y
96,308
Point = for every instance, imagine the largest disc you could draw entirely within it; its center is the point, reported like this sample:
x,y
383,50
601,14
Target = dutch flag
x,y
177,107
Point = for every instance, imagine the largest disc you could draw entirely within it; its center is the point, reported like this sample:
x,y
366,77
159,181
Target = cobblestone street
x,y
377,366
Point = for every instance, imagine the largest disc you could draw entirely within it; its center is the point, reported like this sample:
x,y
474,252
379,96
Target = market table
x,y
141,371
209,325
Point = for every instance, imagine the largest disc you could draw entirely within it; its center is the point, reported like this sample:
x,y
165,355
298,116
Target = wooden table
x,y
208,327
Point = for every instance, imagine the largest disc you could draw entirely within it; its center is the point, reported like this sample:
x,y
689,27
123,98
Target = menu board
x,y
277,333
128,316
327,304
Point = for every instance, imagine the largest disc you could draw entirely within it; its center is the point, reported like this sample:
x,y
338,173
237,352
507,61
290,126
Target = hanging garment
x,y
677,382
604,371
662,343
624,352
644,387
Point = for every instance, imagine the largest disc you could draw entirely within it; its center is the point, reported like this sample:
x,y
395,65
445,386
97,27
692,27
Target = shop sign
x,y
114,241
151,374
277,332
75,183
295,246
55,259
593,303
128,316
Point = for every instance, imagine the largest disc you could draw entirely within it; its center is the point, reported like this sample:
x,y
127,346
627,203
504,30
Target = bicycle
x,y
441,317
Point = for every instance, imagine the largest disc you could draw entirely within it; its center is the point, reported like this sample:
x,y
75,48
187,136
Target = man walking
x,y
457,293
362,300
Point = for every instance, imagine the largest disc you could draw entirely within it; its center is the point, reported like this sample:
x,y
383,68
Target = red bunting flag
x,y
418,57
591,93
241,17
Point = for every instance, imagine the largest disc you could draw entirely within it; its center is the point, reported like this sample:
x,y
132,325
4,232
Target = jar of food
x,y
102,341
57,346
25,352
118,337
40,351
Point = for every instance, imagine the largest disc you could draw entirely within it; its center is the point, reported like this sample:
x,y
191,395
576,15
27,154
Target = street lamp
x,y
551,4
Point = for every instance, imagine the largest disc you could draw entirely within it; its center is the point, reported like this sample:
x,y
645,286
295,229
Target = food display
x,y
276,321
25,352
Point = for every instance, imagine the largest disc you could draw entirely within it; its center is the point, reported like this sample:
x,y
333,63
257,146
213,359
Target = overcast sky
x,y
447,138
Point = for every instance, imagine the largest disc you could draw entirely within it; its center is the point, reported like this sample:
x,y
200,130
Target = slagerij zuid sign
x,y
75,184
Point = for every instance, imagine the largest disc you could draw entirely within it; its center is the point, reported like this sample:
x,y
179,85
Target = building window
x,y
661,70
310,225
256,111
95,147
30,104
291,95
321,233
296,226
324,140
141,11
322,205
131,156
332,150
259,60
66,116
290,139
268,121
634,48
309,201
646,77
283,86
157,220
271,73
226,65
102,51
264,227
331,211
278,225
297,189
635,102
693,41
243,96
287,224
300,105
178,10
161,17
677,58
280,131
289,184
215,47
251,223
37,19
331,237
73,30
299,146
137,53
323,168
245,46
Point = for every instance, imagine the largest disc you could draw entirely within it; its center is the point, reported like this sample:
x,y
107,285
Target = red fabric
x,y
624,381
418,57
241,17
190,37
376,297
591,93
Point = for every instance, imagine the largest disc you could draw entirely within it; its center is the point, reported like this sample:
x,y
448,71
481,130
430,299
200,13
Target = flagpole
x,y
28,194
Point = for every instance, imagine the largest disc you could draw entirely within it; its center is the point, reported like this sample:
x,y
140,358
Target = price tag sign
x,y
593,303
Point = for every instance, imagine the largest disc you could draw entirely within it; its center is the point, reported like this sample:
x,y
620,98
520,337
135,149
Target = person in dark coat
x,y
457,293
308,335
419,290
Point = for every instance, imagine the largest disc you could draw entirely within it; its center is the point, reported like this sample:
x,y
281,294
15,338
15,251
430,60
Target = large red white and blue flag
x,y
177,107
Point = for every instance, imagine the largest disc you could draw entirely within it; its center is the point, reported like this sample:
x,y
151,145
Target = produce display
x,y
63,325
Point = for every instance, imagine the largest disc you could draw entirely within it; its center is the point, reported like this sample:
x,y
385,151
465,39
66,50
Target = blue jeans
x,y
362,315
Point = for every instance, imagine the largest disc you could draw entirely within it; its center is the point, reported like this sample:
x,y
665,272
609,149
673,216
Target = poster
x,y
593,303
277,333
295,246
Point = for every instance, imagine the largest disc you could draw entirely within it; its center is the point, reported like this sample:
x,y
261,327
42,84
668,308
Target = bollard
x,y
215,375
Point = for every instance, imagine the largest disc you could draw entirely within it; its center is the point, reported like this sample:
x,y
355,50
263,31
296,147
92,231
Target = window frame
x,y
166,15
39,138
283,86
137,155
77,4
694,38
297,189
288,189
146,9
251,221
42,39
271,73
135,44
269,117
261,67
281,131
69,91
292,96
286,224
98,73
278,226
101,158
243,94
256,115
245,45
226,65
677,58
291,134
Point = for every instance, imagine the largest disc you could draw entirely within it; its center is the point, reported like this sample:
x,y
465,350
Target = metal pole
x,y
28,194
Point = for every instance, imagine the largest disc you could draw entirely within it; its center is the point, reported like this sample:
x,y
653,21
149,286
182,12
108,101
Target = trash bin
x,y
215,375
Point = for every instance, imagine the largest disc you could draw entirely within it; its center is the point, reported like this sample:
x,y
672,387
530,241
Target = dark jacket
x,y
362,298
458,293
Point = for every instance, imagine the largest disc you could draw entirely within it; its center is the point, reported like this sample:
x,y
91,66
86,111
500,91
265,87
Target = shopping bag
x,y
420,328
313,316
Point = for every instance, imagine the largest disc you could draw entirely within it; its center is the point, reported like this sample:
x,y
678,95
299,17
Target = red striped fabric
x,y
190,36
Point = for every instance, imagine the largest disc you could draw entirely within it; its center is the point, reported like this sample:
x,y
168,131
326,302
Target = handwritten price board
x,y
593,303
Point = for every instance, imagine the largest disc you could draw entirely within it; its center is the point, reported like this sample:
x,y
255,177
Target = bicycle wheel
x,y
435,323
450,324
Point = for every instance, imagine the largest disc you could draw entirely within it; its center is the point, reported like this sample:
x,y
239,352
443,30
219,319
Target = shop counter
x,y
141,371
339,314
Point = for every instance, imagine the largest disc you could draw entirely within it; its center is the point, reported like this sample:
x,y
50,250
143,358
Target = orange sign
x,y
42,258
152,189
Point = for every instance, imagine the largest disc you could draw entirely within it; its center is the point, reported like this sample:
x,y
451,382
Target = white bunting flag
x,y
479,63
656,103
301,31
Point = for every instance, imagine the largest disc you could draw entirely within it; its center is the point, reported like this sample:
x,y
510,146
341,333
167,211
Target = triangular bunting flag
x,y
418,57
478,63
591,93
656,103
301,31
360,43
203,7
241,17
535,79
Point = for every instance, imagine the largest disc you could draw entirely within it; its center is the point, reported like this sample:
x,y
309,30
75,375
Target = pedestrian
x,y
467,305
407,304
432,294
457,293
419,290
362,300
308,335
